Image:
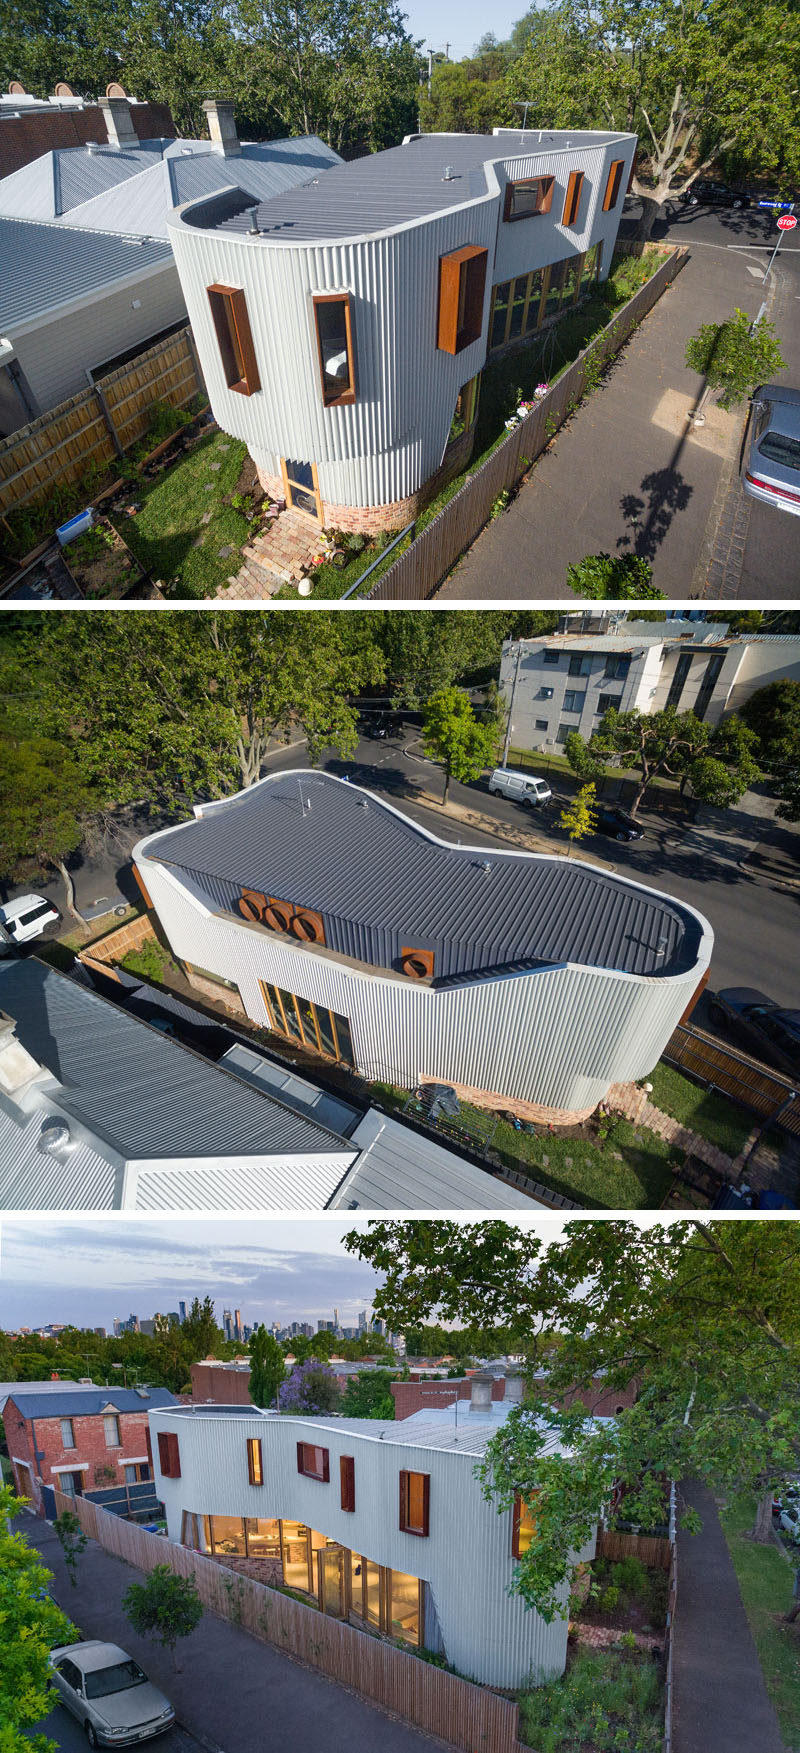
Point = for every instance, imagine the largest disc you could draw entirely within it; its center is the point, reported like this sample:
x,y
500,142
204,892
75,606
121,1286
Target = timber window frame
x,y
613,184
415,1503
572,199
462,285
530,195
255,1461
169,1455
234,338
334,395
314,1462
347,1482
523,1527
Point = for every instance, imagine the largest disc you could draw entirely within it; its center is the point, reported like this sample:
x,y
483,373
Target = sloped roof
x,y
42,266
84,1403
401,1169
59,180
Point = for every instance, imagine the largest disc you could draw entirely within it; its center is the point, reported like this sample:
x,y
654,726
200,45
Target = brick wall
x,y
225,1387
215,990
23,138
411,1397
532,1111
372,520
38,1442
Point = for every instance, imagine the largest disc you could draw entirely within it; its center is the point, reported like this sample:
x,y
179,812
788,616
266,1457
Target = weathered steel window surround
x,y
613,185
462,281
415,1496
523,1527
334,330
527,197
347,1480
573,198
255,1462
313,1462
234,339
169,1457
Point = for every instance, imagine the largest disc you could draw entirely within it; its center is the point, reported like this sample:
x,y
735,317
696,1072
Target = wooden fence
x,y
652,1549
467,1716
745,1080
424,566
90,429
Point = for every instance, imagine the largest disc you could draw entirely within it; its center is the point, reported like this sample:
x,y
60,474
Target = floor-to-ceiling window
x,y
324,1031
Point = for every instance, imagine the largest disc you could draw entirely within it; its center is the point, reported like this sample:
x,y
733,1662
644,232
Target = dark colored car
x,y
708,193
762,1027
381,724
615,823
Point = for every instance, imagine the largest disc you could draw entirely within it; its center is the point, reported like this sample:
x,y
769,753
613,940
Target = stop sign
x,y
787,222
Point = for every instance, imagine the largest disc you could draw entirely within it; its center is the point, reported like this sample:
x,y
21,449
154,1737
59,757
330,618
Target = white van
x,y
27,916
521,787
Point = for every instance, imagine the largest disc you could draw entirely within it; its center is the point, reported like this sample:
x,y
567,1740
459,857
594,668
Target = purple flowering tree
x,y
311,1387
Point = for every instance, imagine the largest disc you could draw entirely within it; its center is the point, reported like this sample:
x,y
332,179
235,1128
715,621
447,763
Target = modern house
x,y
100,1110
566,681
380,1524
522,980
342,327
79,1440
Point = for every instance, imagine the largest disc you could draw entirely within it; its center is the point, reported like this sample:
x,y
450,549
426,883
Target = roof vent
x,y
448,174
362,803
252,214
55,1138
483,864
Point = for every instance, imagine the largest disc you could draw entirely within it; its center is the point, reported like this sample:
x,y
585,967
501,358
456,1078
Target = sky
x,y
87,1270
462,25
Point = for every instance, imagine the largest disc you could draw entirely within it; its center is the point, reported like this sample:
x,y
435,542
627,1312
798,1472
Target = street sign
x,y
777,205
787,222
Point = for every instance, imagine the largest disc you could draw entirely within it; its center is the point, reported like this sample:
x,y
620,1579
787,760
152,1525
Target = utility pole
x,y
507,743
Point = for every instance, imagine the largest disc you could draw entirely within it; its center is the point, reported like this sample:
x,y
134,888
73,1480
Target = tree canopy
x,y
704,1319
717,763
455,737
30,1624
165,1607
267,1368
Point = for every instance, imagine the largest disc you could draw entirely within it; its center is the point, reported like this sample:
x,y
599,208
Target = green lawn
x,y
712,1116
607,1701
152,962
765,1583
168,535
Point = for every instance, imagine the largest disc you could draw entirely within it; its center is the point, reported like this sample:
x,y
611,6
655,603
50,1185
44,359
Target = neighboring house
x,y
342,327
30,125
522,980
86,267
79,1440
412,1397
381,1524
54,1385
100,1110
566,681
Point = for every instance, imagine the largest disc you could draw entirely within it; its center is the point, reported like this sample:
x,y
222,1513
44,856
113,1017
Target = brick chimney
x,y
119,125
222,127
18,1068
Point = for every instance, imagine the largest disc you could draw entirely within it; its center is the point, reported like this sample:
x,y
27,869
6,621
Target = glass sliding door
x,y
323,1031
406,1619
296,1556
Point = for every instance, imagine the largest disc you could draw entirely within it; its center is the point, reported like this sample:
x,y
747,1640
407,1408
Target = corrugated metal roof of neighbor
x,y
33,1181
401,1169
301,1184
41,266
143,203
83,1403
385,189
471,1436
353,859
48,1388
62,179
146,1095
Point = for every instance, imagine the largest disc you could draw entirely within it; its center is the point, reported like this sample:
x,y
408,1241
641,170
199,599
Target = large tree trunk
x,y
70,891
762,1530
651,211
637,802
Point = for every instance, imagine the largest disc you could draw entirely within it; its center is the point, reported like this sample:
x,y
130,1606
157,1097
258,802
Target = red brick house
x,y
411,1397
79,1443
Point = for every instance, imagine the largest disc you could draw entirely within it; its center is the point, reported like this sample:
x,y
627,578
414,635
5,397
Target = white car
x,y
109,1694
789,1522
523,787
27,916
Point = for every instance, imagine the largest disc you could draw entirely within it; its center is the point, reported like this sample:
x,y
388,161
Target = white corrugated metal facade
x,y
386,444
466,1558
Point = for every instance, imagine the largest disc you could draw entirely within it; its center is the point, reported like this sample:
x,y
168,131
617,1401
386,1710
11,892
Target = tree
x,y
72,1540
367,1395
425,653
733,356
44,809
773,714
671,745
200,1333
451,734
580,817
606,575
703,1318
267,1368
467,97
165,1607
30,1625
311,1387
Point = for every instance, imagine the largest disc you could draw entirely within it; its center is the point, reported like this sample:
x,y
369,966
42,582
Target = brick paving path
x,y
724,574
633,1103
279,554
601,1637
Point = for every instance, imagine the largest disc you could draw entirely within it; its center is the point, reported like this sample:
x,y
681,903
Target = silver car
x,y
772,468
109,1694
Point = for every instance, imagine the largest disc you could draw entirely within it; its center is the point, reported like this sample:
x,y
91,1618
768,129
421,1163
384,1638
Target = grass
x,y
168,536
765,1584
606,1701
152,962
712,1116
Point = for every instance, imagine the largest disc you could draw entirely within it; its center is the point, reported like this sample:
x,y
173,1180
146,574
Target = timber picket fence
x,y
426,563
652,1549
734,1074
465,1715
89,430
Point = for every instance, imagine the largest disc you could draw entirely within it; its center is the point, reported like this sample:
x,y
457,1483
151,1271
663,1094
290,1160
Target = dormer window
x,y
334,329
527,197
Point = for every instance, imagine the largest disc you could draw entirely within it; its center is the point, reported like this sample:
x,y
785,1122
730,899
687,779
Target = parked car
x,y
789,1523
616,823
764,1027
27,916
520,787
707,192
771,470
109,1694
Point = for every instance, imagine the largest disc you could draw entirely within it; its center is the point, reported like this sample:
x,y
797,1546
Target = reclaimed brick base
x,y
212,989
533,1111
372,520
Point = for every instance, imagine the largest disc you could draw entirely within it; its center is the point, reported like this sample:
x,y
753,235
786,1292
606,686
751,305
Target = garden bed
x,y
102,565
605,1701
188,526
625,1596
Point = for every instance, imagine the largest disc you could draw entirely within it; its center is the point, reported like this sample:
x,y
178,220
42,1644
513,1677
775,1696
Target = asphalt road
x,y
62,1728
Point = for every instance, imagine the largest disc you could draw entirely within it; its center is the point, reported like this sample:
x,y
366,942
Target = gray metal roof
x,y
82,1403
143,1093
48,1388
60,180
42,266
401,1169
384,190
382,883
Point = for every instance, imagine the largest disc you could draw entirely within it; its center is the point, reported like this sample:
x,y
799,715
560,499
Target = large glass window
x,y
554,289
227,1534
405,1607
263,1537
519,300
324,1031
332,315
500,304
589,268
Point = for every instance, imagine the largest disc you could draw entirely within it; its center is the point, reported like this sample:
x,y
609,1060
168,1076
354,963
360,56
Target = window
x,y
137,1473
415,1491
564,730
590,265
332,317
555,289
67,1434
573,197
500,303
234,339
347,1479
516,307
111,1430
550,656
255,1463
462,281
609,703
324,1031
527,197
677,684
574,699
523,1527
580,663
169,1458
617,667
313,1462
542,723
613,184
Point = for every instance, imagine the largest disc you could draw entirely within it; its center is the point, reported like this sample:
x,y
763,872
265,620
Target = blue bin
x,y
75,526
